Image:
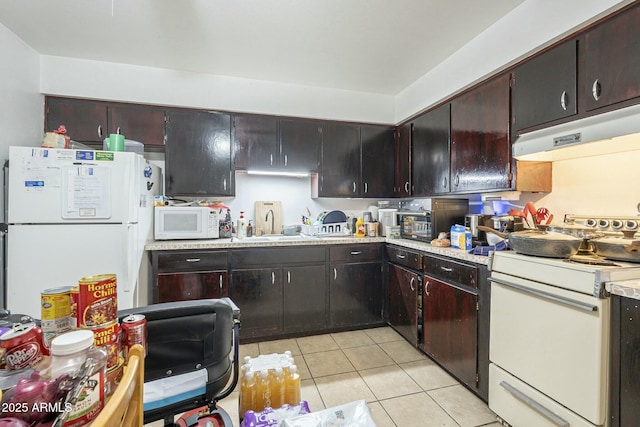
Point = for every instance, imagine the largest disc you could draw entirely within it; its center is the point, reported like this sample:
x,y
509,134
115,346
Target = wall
x,y
529,27
21,104
110,81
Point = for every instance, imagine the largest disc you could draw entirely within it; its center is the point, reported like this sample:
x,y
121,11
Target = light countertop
x,y
168,245
625,288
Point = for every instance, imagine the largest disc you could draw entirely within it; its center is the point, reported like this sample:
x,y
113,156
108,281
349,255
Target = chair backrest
x,y
124,407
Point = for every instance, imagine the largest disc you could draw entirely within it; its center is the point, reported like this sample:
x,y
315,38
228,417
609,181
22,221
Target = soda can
x,y
23,346
134,329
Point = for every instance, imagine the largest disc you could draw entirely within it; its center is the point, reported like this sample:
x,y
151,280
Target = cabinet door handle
x,y
356,252
596,89
224,184
100,131
564,100
444,182
426,288
271,159
220,280
286,160
288,277
457,180
273,277
447,269
192,259
366,187
118,130
354,186
413,288
335,274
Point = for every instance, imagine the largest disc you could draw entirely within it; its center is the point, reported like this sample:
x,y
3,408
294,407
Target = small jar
x,y
69,351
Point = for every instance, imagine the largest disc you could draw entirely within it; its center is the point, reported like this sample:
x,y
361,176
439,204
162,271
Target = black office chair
x,y
184,339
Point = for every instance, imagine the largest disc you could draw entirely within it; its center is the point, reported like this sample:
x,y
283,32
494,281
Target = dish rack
x,y
332,229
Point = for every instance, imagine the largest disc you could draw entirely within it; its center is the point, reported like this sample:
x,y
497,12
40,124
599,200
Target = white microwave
x,y
186,222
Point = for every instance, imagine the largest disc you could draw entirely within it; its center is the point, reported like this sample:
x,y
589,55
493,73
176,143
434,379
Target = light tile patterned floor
x,y
401,386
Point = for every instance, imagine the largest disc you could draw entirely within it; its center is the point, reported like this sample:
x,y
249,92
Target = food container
x,y
97,300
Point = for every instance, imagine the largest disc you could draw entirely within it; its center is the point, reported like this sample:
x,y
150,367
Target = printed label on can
x,y
107,337
97,300
56,312
23,347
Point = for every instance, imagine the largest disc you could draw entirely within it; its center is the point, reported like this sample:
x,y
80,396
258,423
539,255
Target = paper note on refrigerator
x,y
87,192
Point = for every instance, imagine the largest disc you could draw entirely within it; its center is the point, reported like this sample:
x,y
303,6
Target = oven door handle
x,y
548,296
534,405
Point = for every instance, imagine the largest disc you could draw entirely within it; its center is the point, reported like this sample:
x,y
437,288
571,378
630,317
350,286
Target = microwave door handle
x,y
420,213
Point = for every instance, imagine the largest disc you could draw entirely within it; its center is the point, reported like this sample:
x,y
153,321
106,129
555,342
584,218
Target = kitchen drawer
x,y
241,258
450,271
355,253
405,257
169,262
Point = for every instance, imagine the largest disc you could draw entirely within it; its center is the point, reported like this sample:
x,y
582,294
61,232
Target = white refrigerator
x,y
76,213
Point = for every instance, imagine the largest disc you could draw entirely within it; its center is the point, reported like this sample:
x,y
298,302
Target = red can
x,y
97,300
134,329
107,337
23,346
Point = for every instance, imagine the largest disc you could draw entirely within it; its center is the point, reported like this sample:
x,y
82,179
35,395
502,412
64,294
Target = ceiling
x,y
376,46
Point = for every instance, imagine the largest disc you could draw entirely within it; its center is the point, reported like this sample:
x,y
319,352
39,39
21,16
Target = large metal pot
x,y
540,243
617,248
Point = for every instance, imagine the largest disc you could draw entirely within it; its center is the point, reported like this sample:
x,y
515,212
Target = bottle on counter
x,y
249,229
226,226
241,226
360,228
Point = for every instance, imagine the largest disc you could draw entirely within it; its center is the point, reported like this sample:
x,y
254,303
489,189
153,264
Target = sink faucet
x,y
266,218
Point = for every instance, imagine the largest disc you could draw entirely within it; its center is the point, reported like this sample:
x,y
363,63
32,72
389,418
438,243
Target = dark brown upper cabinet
x,y
403,182
611,60
198,154
90,122
544,88
431,152
356,160
86,121
480,143
269,143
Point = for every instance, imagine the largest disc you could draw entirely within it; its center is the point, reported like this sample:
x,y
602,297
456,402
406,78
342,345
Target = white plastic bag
x,y
354,414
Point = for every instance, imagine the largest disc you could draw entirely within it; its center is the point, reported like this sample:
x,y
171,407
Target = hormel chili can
x,y
108,337
23,347
134,329
97,300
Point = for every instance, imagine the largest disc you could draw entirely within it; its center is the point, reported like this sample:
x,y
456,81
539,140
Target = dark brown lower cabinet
x,y
450,328
625,362
305,298
404,286
355,285
258,294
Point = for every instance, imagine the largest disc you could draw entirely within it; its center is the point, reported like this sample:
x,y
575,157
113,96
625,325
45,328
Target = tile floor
x,y
401,386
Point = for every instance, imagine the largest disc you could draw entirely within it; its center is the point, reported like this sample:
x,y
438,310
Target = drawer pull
x,y
289,277
413,288
447,269
335,274
400,256
356,252
426,288
273,277
220,280
192,259
534,405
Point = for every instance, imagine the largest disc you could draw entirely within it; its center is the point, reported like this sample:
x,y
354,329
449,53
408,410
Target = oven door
x,y
556,341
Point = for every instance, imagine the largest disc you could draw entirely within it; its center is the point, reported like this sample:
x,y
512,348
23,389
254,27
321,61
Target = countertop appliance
x,y
186,222
423,219
549,339
76,213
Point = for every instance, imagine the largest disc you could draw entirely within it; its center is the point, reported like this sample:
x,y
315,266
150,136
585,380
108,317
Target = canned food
x,y
372,229
55,307
23,346
134,328
97,300
107,337
114,376
73,296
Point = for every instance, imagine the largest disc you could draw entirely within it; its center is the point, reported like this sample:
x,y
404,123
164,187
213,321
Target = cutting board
x,y
262,208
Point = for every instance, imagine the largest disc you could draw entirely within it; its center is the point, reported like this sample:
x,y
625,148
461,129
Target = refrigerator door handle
x,y
129,259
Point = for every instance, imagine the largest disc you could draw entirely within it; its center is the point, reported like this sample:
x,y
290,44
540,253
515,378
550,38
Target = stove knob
x,y
590,222
603,223
616,224
631,225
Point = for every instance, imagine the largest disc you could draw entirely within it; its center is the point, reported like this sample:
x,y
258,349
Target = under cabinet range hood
x,y
612,132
